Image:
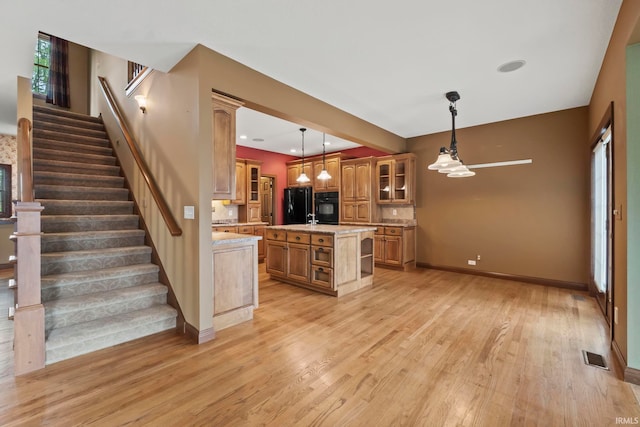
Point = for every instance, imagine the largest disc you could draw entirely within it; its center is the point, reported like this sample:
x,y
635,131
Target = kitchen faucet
x,y
313,221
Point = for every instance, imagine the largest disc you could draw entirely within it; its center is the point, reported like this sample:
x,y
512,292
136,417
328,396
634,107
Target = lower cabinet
x,y
395,247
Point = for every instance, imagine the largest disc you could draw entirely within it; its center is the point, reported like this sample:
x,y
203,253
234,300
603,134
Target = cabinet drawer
x,y
245,229
322,276
379,231
225,229
294,237
393,231
322,240
321,255
279,235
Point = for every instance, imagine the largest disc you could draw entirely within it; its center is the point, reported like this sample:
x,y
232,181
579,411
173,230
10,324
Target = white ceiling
x,y
389,63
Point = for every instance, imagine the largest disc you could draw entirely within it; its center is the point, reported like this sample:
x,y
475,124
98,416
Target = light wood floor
x,y
424,348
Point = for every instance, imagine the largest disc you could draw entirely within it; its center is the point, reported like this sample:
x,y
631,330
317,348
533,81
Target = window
x,y
41,60
5,191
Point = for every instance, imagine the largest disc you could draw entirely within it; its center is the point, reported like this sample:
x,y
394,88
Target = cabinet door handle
x,y
275,235
320,269
297,237
320,249
321,240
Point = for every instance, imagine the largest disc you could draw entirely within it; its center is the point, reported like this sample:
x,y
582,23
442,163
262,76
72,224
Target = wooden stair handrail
x,y
169,219
25,161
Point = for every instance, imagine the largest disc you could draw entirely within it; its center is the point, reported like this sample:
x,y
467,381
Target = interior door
x,y
266,199
601,221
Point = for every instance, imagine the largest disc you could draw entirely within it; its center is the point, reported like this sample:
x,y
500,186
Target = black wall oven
x,y
327,207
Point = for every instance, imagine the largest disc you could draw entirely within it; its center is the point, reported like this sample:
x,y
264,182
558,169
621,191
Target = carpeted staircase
x,y
99,287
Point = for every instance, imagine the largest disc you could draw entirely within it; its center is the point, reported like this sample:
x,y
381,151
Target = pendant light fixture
x,y
448,160
303,178
324,175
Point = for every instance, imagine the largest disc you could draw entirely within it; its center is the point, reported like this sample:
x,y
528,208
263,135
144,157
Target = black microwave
x,y
326,207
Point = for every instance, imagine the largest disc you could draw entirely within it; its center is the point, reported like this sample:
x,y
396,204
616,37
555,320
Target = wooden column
x,y
29,349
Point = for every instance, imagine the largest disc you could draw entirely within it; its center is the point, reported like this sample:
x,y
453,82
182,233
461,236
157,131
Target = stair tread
x,y
44,152
103,148
96,234
69,176
83,202
102,327
44,162
99,217
91,252
114,296
79,188
48,118
63,279
65,113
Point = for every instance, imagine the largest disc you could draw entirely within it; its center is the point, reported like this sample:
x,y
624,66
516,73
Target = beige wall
x,y
79,69
526,220
611,87
169,138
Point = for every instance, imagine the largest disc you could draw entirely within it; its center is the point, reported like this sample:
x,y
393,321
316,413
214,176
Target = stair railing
x,y
29,328
168,217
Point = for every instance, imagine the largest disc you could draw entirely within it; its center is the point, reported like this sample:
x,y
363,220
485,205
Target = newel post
x,y
29,349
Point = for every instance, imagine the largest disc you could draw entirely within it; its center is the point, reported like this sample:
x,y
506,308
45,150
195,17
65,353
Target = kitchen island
x,y
332,259
235,278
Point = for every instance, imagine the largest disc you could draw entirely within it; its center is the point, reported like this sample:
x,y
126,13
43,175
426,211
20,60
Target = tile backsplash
x,y
401,212
223,213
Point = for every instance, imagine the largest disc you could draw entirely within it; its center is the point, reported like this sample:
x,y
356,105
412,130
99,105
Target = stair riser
x,y
69,134
94,263
83,208
54,112
55,319
70,193
117,337
83,245
45,165
52,120
72,147
92,285
90,225
88,181
67,156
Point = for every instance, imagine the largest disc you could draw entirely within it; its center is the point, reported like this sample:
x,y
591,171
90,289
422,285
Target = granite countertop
x,y
236,224
389,223
221,238
325,228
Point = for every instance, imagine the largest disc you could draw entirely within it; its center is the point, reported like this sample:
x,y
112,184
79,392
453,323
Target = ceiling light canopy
x,y
448,160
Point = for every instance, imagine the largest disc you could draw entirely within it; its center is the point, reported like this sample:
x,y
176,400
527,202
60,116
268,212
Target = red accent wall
x,y
272,164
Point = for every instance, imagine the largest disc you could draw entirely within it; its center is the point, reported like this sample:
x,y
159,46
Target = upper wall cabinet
x,y
294,168
332,163
224,147
395,179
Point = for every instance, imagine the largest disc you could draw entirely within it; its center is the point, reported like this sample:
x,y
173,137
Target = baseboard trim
x,y
197,336
617,354
632,375
526,279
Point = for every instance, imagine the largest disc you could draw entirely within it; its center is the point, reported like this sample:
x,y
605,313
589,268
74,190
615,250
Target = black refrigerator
x,y
297,205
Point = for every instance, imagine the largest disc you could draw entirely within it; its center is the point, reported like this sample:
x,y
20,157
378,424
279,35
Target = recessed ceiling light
x,y
243,136
293,150
327,143
512,66
258,140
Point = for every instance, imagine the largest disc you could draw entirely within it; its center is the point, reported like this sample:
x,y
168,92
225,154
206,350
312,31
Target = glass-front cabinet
x,y
395,179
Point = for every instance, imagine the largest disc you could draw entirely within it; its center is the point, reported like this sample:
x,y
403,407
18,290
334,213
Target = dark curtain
x,y
58,90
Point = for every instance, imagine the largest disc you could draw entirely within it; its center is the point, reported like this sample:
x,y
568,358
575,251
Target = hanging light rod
x,y
303,178
448,160
324,175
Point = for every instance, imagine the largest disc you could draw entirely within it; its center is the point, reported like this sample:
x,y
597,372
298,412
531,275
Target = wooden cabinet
x,y
225,228
395,179
224,147
241,183
251,210
332,163
335,264
395,247
235,282
355,195
294,168
258,230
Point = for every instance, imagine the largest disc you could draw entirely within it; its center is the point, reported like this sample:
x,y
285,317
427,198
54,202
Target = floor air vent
x,y
593,359
578,297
